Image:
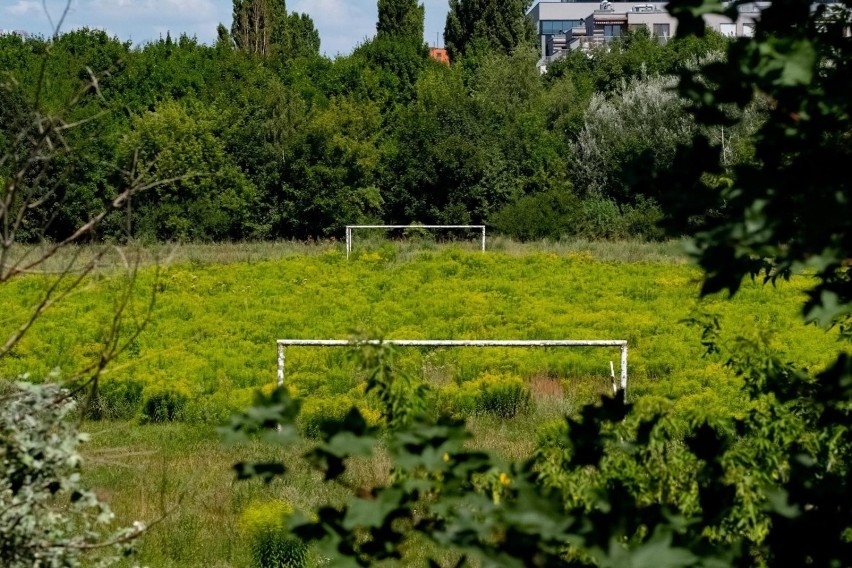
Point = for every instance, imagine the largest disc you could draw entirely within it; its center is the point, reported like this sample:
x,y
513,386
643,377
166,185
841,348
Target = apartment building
x,y
566,25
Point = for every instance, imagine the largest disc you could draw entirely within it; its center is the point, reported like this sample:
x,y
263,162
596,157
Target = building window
x,y
748,30
552,27
662,30
728,30
612,30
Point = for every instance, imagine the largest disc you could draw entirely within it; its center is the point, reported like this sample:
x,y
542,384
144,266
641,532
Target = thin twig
x,y
48,299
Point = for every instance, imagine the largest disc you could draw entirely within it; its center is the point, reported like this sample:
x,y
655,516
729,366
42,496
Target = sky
x,y
342,24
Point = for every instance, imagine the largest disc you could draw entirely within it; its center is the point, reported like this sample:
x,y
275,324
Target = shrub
x,y
217,407
272,545
116,399
559,213
503,396
164,403
546,215
600,218
47,516
643,218
627,134
320,413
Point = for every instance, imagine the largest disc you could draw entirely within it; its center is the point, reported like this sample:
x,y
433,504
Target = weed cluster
x,y
502,396
271,544
211,343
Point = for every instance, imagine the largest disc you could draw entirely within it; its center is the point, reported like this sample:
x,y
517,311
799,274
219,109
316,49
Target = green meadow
x,y
210,344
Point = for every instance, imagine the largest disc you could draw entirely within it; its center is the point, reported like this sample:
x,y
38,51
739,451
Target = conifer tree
x,y
500,25
401,19
303,39
223,37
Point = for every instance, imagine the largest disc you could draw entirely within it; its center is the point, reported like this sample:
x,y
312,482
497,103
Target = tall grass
x,y
406,248
182,473
211,342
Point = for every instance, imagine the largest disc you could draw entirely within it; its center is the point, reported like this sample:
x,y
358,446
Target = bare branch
x,y
48,299
113,346
89,226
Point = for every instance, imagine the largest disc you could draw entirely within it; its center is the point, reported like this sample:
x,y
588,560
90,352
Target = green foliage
x,y
302,37
264,28
206,197
272,546
258,25
556,214
473,142
401,20
635,131
637,55
484,25
502,396
335,185
321,414
782,217
692,503
397,66
484,510
806,127
48,517
400,397
164,402
278,142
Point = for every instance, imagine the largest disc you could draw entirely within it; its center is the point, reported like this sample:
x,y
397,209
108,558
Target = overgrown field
x,y
211,344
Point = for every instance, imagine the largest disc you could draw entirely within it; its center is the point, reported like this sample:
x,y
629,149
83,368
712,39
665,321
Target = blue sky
x,y
342,23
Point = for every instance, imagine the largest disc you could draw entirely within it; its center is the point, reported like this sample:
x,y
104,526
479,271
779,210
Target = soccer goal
x,y
564,343
351,228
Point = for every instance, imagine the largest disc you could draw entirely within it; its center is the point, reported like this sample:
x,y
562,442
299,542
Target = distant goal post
x,y
351,228
559,343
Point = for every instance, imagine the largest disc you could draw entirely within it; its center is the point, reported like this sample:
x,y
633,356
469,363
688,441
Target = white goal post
x,y
350,228
564,343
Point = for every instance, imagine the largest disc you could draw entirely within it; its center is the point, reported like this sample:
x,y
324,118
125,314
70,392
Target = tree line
x,y
267,138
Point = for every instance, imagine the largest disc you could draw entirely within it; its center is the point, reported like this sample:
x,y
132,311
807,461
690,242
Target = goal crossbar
x,y
349,229
620,343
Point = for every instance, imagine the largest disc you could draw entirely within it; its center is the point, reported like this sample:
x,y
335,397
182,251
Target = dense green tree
x,y
395,66
162,71
637,54
258,25
639,127
265,28
487,24
223,37
469,144
332,176
453,145
302,38
210,198
401,20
